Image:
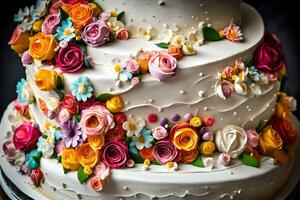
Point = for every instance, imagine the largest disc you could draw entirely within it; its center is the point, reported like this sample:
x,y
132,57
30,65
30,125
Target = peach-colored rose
x,y
95,183
175,51
123,34
96,120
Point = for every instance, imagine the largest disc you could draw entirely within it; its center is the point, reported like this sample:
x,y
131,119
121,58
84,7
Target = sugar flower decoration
x,y
233,33
46,146
146,33
134,127
115,24
66,31
82,88
25,94
144,140
178,40
253,74
172,166
196,37
120,73
28,16
71,134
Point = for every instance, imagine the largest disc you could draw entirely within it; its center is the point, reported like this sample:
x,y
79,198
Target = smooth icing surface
x,y
176,15
235,182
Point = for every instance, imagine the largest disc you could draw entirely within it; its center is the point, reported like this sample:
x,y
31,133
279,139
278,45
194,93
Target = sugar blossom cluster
x,y
53,32
265,66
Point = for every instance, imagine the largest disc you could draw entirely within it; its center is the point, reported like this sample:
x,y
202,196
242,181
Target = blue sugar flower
x,y
20,87
82,88
66,31
33,159
145,139
254,73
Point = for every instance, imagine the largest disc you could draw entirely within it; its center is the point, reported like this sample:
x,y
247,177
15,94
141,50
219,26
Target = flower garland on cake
x,y
94,136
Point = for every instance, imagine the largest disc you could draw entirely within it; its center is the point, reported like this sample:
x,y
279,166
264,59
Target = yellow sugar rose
x,y
207,148
87,156
22,43
282,106
96,141
269,141
95,8
47,80
69,159
37,26
42,46
115,104
184,137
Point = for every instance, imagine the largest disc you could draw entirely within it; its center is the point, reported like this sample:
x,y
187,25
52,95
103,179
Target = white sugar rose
x,y
232,140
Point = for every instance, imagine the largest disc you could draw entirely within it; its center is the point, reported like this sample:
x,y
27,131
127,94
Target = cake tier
x,y
180,94
176,15
234,182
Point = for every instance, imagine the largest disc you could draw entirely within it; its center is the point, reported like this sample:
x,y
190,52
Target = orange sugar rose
x,y
42,46
80,15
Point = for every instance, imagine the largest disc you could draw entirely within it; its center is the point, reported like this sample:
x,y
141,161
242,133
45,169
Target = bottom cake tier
x,y
236,181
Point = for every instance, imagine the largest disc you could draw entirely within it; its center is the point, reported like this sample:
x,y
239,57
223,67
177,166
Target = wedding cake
x,y
147,99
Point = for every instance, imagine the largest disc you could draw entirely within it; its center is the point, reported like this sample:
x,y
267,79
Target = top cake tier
x,y
177,15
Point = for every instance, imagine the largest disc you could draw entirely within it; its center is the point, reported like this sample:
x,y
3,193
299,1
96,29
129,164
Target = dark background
x,y
280,17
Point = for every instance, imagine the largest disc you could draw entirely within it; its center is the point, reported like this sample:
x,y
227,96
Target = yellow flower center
x,y
82,89
131,126
170,165
117,68
67,32
147,162
145,33
140,139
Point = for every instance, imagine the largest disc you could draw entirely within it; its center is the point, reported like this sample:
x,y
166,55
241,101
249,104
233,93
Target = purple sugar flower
x,y
71,134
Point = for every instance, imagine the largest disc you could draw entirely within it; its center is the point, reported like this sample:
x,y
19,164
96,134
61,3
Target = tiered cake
x,y
142,99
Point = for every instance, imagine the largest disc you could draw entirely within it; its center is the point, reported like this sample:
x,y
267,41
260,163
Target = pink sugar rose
x,y
50,24
63,115
227,88
26,58
9,151
70,59
72,2
60,146
131,66
224,159
268,57
115,154
104,16
160,133
96,120
21,109
135,81
102,171
164,151
96,34
228,71
95,183
16,34
252,138
55,7
25,137
162,66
